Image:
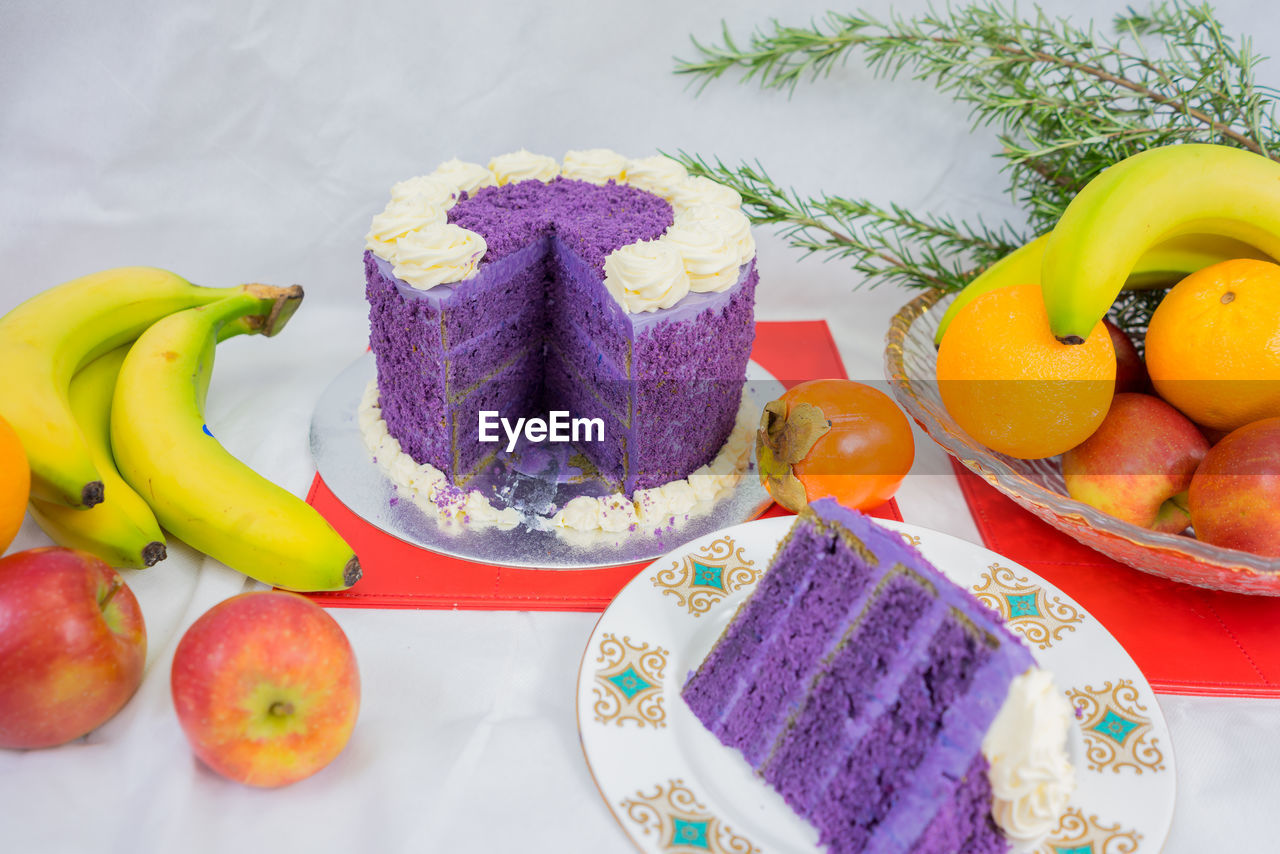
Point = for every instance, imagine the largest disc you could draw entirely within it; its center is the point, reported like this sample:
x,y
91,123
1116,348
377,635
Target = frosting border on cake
x,y
702,251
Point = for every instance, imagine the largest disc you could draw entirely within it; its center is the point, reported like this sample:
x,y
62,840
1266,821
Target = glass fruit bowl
x,y
1037,485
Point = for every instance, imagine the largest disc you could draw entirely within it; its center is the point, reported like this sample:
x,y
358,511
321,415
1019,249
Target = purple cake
x,y
860,683
532,329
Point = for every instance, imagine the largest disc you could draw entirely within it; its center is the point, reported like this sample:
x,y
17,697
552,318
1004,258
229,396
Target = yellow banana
x,y
199,491
121,530
45,340
1161,266
1144,200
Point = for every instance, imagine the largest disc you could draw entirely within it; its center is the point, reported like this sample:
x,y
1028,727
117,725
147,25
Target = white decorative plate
x,y
674,788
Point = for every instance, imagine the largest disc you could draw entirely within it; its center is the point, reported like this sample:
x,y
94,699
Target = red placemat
x,y
1185,639
400,575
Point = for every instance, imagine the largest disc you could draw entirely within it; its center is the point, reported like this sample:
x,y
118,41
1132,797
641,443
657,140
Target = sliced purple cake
x,y
861,684
608,288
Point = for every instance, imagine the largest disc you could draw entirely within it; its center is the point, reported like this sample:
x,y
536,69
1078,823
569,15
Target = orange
x,y
1213,344
15,484
1010,384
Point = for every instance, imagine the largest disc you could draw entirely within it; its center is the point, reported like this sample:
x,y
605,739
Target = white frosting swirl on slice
x,y
709,258
658,174
398,219
731,222
646,276
426,189
523,165
1031,776
466,177
596,165
701,190
437,254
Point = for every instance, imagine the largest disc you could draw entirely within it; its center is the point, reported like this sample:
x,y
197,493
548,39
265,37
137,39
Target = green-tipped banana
x,y
1144,200
121,529
199,491
45,340
1161,266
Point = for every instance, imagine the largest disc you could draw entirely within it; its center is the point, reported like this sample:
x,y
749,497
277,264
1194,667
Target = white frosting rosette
x,y
523,165
701,190
709,259
427,189
464,176
658,174
399,218
596,165
731,222
646,276
437,254
1031,776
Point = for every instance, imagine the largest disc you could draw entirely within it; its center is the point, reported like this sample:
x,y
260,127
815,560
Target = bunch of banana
x,y
199,491
65,353
1161,194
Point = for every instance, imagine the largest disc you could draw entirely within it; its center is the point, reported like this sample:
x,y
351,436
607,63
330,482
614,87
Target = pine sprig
x,y
1064,101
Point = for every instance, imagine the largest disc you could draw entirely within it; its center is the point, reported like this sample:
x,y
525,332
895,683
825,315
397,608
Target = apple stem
x,y
116,584
281,708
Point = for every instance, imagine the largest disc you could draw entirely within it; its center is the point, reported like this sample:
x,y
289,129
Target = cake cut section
x,y
859,682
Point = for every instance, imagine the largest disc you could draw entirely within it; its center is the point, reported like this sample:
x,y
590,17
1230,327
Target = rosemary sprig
x,y
1065,103
881,243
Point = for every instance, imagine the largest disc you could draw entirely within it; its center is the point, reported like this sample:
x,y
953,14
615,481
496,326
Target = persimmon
x,y
833,438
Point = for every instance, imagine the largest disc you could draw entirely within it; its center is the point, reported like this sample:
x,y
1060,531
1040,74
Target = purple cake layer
x,y
666,383
859,682
728,670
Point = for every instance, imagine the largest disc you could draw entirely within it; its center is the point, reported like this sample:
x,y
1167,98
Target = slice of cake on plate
x,y
888,706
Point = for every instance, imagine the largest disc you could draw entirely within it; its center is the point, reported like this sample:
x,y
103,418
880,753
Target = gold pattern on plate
x,y
628,684
1080,834
700,580
682,823
1027,608
911,539
1117,728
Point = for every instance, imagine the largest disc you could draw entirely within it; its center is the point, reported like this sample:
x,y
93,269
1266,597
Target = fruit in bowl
x,y
266,688
1211,344
1235,494
1138,465
1131,370
15,484
72,646
1008,383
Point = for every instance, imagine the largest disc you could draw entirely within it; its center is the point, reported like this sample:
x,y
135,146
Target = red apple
x,y
266,688
1131,371
1235,494
1138,464
72,646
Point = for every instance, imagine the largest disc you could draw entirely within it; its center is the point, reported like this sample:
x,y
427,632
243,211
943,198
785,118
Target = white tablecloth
x,y
253,141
